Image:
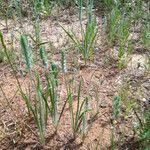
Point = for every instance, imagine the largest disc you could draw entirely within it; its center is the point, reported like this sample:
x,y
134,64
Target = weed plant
x,y
116,107
78,117
45,103
86,47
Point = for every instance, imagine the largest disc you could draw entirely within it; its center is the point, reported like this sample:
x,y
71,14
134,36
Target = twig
x,y
140,121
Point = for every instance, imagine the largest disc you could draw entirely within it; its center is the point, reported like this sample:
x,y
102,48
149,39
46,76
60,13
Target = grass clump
x,y
78,117
86,46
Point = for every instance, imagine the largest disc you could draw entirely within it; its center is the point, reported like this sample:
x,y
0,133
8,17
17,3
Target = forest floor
x,y
100,76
